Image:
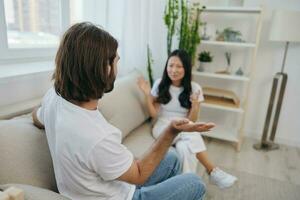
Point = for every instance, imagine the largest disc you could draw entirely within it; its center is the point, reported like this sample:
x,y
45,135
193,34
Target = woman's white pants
x,y
187,144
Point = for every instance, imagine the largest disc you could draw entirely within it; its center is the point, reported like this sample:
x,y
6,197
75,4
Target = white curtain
x,y
135,23
128,21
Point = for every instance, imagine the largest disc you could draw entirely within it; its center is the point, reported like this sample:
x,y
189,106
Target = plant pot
x,y
205,67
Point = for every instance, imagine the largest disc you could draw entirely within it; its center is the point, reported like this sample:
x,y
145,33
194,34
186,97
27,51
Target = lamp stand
x,y
276,98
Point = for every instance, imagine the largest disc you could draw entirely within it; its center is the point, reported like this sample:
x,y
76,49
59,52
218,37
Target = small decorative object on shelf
x,y
229,35
228,60
205,59
239,72
205,36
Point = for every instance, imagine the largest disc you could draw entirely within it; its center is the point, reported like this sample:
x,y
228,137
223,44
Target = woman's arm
x,y
153,107
193,114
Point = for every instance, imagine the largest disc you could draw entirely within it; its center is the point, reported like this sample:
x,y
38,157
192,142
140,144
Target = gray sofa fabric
x,y
125,106
24,154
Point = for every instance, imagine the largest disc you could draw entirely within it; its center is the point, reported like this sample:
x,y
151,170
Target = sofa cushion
x,y
139,140
125,106
35,193
24,154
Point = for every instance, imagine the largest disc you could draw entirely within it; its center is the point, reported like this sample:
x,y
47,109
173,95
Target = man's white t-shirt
x,y
86,151
173,108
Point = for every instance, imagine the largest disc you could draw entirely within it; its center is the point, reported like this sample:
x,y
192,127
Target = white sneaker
x,y
221,179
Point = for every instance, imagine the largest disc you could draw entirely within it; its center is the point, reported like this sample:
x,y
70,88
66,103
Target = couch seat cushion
x,y
35,193
125,106
139,140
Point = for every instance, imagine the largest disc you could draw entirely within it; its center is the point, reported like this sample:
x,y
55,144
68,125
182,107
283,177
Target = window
x,y
32,28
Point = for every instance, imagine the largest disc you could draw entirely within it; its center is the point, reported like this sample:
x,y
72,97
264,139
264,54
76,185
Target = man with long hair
x,y
88,158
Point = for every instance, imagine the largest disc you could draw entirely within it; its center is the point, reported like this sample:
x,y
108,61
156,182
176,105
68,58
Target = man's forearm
x,y
152,158
140,170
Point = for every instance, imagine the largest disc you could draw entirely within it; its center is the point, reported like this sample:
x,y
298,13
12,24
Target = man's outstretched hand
x,y
186,125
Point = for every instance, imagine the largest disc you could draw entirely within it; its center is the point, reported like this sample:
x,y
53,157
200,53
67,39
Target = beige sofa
x,y
24,154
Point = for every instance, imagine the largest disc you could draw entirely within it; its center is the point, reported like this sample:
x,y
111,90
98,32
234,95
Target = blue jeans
x,y
166,184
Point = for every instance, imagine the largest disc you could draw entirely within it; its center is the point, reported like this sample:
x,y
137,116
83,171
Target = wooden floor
x,y
269,171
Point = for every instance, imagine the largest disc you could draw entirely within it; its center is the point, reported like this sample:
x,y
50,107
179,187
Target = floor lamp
x,y
285,28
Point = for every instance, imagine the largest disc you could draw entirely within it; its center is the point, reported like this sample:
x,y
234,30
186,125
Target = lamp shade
x,y
285,26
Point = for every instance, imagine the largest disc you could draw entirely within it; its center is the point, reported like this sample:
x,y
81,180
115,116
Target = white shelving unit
x,y
229,44
224,108
232,9
222,131
221,76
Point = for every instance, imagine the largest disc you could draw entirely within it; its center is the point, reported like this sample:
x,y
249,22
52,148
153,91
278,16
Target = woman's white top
x,y
173,108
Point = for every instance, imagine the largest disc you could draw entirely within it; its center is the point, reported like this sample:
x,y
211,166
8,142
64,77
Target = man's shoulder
x,y
49,95
95,126
87,133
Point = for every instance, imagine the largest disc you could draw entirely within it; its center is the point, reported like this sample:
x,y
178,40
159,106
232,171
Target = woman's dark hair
x,y
164,95
82,63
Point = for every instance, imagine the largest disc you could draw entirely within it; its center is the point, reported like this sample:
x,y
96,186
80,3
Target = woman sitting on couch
x,y
175,95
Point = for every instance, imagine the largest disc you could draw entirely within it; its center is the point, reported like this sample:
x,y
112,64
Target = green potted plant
x,y
149,65
189,37
170,17
205,59
182,18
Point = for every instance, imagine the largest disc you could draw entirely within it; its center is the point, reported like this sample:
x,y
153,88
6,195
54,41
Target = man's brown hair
x,y
82,63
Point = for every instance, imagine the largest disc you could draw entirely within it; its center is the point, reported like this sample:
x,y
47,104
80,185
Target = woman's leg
x,y
192,150
203,159
193,146
190,159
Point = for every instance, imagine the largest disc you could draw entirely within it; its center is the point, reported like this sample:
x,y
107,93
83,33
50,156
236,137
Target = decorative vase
x,y
200,68
205,67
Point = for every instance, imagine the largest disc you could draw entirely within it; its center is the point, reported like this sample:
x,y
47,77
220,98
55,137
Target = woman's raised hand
x,y
144,85
186,125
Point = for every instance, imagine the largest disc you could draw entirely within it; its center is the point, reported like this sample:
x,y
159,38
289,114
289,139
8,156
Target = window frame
x,y
9,54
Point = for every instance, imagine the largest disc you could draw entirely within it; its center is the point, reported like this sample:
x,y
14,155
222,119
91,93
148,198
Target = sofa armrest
x,y
13,110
